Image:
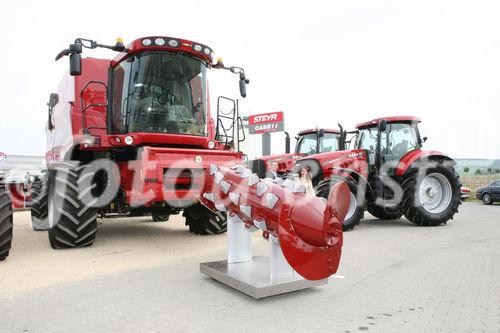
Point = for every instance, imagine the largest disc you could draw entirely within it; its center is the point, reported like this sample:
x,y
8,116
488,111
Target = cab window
x,y
307,144
401,139
329,142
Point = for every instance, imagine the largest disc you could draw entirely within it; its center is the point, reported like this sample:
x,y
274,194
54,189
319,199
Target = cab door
x,y
398,140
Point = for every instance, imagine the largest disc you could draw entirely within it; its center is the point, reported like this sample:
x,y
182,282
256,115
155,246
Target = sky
x,y
321,62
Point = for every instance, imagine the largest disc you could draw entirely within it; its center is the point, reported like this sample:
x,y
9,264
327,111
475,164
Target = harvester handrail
x,y
84,129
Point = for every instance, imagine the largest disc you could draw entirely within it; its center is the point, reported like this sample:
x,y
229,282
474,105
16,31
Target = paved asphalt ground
x,y
142,276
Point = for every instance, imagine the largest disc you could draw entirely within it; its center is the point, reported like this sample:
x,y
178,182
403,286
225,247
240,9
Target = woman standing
x,y
305,179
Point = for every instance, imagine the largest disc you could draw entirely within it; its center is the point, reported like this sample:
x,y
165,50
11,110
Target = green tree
x,y
466,169
490,170
497,170
478,172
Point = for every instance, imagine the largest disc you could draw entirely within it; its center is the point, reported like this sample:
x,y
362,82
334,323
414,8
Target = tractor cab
x,y
315,141
388,140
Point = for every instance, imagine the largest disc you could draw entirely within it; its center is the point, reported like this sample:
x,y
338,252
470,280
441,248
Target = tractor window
x,y
367,139
401,140
160,93
329,142
307,144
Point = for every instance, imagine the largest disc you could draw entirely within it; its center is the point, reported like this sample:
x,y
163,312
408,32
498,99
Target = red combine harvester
x,y
389,174
309,142
133,135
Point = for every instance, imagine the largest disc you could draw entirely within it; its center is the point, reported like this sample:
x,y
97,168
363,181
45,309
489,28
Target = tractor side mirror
x,y
75,64
382,125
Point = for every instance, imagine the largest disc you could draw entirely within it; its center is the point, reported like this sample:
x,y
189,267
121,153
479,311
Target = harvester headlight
x,y
207,51
198,48
173,43
129,140
146,42
211,145
159,41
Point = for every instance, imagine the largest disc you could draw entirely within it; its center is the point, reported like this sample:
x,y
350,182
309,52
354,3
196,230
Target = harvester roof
x,y
167,44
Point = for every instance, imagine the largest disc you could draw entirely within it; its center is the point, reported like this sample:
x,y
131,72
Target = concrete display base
x,y
254,277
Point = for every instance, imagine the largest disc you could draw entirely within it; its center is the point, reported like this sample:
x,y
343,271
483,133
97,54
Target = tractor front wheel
x,y
6,223
72,217
431,198
355,212
202,221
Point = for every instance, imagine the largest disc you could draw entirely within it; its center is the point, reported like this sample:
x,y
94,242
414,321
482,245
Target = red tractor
x,y
133,135
309,142
389,174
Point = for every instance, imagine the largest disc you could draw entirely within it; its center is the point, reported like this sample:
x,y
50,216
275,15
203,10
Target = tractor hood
x,y
326,164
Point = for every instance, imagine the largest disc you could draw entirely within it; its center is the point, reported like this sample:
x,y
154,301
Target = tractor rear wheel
x,y
72,216
431,199
202,221
382,213
6,223
38,206
356,209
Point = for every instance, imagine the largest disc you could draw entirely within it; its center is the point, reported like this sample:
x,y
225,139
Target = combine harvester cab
x,y
390,175
133,135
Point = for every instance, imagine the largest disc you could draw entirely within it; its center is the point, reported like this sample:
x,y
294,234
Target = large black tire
x,y
72,222
355,214
202,221
411,204
383,213
6,223
38,206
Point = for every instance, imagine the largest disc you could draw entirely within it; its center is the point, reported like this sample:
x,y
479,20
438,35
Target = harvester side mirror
x,y
243,84
75,64
424,139
382,125
53,100
243,89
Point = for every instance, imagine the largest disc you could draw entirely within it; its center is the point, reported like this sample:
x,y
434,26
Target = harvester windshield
x,y
160,93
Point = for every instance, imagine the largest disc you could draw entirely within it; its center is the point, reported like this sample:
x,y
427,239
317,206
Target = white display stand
x,y
259,276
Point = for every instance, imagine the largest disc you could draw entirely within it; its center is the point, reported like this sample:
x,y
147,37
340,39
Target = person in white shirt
x,y
305,179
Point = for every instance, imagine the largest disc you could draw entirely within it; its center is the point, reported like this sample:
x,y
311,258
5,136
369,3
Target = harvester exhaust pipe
x,y
308,229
